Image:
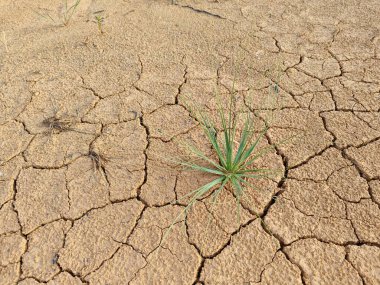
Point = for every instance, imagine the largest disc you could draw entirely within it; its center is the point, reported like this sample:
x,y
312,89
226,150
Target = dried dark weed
x,y
98,165
99,162
57,125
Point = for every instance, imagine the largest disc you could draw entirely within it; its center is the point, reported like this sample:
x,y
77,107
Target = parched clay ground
x,y
62,221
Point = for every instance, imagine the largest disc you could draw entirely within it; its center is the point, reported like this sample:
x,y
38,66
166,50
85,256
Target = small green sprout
x,y
99,21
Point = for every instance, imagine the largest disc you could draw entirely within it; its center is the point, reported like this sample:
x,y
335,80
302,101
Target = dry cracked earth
x,y
88,202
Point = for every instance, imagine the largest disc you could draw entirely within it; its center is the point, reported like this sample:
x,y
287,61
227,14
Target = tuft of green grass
x,y
236,150
65,15
236,154
44,13
68,12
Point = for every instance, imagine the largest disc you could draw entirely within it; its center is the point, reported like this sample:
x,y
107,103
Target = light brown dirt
x,y
323,263
70,217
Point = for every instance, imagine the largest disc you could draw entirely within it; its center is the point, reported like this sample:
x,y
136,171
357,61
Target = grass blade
x,y
203,189
201,155
202,168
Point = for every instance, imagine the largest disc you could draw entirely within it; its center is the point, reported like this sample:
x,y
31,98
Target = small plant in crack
x,y
98,160
99,20
98,164
54,260
236,152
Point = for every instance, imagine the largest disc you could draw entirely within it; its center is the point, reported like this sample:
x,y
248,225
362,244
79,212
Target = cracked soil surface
x,y
88,120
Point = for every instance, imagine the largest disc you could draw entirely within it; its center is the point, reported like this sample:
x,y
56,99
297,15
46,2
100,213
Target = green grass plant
x,y
235,143
99,20
64,16
68,12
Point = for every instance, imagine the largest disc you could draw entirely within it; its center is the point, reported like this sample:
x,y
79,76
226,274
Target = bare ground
x,y
68,216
